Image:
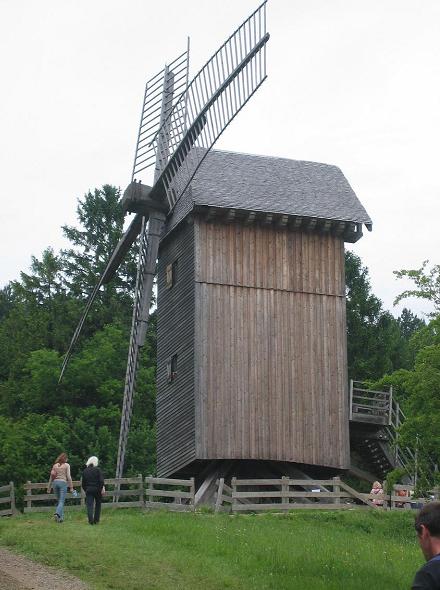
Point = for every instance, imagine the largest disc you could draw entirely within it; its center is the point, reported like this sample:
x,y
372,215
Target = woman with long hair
x,y
59,479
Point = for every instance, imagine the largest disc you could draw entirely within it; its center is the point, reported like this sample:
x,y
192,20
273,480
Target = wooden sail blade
x,y
148,251
113,264
152,106
213,98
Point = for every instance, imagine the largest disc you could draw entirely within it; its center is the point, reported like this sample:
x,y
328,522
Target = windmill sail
x,y
200,115
177,130
157,96
150,123
213,98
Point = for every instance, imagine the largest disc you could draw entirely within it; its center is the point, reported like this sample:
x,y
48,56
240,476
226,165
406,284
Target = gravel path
x,y
20,573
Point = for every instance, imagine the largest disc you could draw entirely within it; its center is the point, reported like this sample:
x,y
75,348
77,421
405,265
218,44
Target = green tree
x,y
427,285
43,296
409,323
375,344
101,225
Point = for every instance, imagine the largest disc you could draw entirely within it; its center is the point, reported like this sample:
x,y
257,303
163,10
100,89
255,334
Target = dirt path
x,y
20,573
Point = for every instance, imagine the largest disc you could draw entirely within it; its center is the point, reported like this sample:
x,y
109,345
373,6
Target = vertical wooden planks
x,y
271,329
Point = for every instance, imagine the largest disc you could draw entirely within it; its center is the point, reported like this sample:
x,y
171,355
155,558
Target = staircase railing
x,y
368,405
380,407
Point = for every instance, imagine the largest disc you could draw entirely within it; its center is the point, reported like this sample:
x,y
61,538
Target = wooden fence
x,y
292,494
257,495
7,500
224,496
120,493
253,495
167,493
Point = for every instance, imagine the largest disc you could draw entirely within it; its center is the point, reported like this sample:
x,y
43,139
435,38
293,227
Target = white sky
x,y
351,83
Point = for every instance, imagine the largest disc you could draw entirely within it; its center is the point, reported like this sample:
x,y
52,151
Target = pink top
x,y
63,473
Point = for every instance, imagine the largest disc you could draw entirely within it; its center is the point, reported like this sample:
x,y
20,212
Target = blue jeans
x,y
60,488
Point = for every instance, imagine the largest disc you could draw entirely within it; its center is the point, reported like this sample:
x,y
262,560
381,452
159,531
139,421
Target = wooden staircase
x,y
375,418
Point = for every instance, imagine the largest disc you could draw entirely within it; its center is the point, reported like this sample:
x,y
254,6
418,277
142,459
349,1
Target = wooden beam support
x,y
283,220
250,218
230,216
297,222
312,224
340,228
326,226
212,213
268,218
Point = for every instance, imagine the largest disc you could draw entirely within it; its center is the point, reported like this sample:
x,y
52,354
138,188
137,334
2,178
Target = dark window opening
x,y
171,274
172,368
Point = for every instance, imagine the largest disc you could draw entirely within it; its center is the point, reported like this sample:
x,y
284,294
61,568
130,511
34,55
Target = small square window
x,y
172,368
171,274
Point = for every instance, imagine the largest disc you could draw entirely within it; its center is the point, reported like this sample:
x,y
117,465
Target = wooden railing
x,y
285,494
167,493
381,408
7,500
290,494
224,496
120,493
368,405
253,495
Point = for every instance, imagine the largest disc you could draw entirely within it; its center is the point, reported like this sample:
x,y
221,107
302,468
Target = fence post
x,y
390,417
285,491
337,490
148,480
219,501
12,496
141,489
29,497
193,493
393,502
351,399
234,491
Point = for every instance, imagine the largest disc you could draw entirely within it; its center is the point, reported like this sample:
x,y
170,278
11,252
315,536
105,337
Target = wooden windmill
x,y
179,125
251,336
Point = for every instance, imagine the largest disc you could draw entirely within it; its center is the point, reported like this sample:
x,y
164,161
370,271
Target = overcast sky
x,y
351,83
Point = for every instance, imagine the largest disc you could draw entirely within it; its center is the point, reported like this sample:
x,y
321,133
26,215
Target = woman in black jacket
x,y
92,482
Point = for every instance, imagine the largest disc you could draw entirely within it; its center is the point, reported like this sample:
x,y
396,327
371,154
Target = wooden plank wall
x,y
270,345
175,335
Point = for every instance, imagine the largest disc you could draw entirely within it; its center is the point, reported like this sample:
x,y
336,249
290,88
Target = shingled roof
x,y
228,180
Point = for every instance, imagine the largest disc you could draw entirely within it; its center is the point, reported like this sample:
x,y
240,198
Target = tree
x,y
374,340
101,222
43,296
427,285
409,323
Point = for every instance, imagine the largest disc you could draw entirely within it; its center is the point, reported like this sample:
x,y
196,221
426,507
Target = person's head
x,y
377,485
61,459
427,525
93,461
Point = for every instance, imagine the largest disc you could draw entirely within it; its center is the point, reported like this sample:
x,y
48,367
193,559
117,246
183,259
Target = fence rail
x,y
7,500
115,497
282,494
159,494
254,495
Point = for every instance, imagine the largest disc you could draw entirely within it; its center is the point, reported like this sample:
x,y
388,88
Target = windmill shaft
x,y
148,250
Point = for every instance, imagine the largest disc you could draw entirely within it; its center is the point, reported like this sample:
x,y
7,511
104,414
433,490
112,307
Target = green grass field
x,y
305,550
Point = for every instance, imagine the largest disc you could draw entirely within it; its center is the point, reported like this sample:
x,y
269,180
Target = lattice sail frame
x,y
210,102
152,108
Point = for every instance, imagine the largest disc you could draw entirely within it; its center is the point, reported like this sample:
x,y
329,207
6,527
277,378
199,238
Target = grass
x,y
134,550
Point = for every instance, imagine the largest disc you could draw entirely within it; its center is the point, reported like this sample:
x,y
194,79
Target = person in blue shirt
x,y
427,525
